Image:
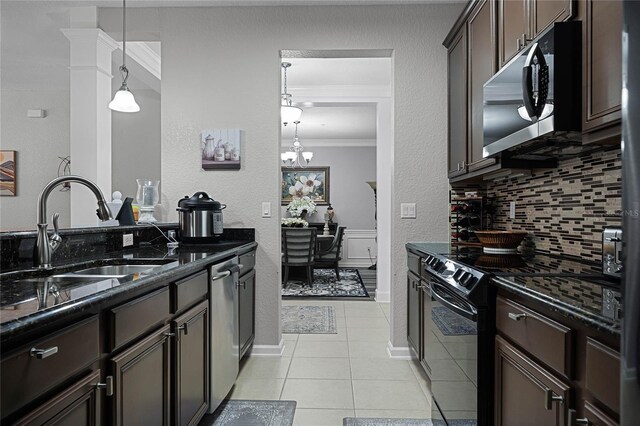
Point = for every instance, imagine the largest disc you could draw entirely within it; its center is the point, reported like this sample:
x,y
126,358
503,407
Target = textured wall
x,y
565,208
39,142
220,69
349,194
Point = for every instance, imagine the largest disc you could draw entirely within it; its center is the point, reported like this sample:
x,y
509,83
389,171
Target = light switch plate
x,y
127,240
512,210
266,209
407,210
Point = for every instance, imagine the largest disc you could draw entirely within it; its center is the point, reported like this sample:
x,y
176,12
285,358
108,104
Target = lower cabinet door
x,y
142,382
526,393
413,313
191,364
246,310
77,405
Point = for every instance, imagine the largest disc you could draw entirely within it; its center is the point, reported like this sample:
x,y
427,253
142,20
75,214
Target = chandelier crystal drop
x,y
296,157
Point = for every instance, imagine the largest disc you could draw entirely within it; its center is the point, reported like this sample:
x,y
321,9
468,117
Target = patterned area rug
x,y
325,284
352,421
452,324
309,320
251,413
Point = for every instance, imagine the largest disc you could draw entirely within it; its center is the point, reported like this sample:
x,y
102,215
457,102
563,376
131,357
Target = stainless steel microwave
x,y
532,106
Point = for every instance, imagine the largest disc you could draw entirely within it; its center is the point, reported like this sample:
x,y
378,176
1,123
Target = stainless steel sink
x,y
115,271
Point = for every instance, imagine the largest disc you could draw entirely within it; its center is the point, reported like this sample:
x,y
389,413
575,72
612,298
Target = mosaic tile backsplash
x,y
565,208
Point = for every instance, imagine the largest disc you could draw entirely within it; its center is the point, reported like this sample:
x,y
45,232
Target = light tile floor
x,y
332,376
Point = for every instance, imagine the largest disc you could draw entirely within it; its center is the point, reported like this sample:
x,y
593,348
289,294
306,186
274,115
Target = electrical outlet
x,y
127,240
512,210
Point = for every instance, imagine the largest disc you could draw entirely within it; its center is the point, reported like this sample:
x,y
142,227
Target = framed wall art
x,y
8,173
220,149
312,182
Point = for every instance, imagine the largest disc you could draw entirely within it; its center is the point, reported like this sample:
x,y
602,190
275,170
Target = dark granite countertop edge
x,y
588,319
5,235
33,321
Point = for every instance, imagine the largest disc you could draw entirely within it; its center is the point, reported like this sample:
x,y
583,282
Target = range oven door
x,y
451,353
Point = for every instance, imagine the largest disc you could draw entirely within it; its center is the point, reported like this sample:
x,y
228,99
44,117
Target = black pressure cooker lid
x,y
199,201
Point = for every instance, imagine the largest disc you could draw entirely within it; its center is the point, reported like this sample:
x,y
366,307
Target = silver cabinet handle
x,y
184,328
43,353
225,274
464,164
458,166
517,317
169,334
108,385
518,44
550,398
573,420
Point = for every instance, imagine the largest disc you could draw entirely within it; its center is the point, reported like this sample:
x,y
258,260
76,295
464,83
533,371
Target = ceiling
x,y
313,72
339,123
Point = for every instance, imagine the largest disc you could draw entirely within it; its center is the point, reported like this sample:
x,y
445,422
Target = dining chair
x,y
298,249
329,257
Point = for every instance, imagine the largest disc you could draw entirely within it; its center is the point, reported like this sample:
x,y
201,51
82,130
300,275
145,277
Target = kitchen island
x,y
115,349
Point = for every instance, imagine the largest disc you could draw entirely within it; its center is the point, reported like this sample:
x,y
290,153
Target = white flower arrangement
x,y
298,205
295,222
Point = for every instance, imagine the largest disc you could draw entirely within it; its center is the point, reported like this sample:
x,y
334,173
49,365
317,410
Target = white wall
x,y
349,170
135,143
39,142
221,70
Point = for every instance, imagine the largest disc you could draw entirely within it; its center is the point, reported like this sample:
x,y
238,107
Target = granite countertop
x,y
579,297
23,307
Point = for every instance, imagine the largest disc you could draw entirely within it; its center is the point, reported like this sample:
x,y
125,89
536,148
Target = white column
x,y
90,144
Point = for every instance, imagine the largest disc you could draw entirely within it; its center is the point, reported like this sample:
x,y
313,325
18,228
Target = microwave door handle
x,y
527,85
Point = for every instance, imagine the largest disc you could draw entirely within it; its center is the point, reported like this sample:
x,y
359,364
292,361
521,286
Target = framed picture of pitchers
x,y
220,149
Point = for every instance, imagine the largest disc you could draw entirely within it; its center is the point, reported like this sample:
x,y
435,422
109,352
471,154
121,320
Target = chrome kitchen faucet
x,y
45,245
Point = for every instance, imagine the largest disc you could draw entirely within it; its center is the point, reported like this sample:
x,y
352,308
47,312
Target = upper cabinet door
x,y
482,64
602,58
457,114
513,22
546,12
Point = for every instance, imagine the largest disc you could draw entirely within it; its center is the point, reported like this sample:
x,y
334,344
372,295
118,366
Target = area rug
x,y
451,324
251,413
352,421
308,320
325,284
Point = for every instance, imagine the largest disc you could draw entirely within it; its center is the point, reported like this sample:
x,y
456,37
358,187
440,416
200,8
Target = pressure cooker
x,y
200,218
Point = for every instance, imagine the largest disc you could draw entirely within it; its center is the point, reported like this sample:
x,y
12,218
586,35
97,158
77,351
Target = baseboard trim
x,y
268,350
383,296
398,352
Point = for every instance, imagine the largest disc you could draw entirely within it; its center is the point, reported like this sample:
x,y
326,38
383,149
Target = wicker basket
x,y
501,240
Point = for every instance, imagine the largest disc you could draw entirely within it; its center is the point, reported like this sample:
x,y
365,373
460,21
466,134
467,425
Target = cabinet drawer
x,y
25,377
132,319
247,262
603,373
189,290
547,340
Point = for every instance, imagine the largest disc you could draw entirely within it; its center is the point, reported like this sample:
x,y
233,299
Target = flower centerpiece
x,y
300,207
295,222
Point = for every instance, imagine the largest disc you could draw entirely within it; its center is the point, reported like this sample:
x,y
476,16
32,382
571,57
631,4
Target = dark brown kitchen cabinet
x,y
457,112
425,325
413,313
191,365
246,310
602,68
592,416
142,382
481,65
77,405
525,392
519,21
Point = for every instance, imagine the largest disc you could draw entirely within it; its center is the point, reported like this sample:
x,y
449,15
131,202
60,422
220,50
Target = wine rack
x,y
468,215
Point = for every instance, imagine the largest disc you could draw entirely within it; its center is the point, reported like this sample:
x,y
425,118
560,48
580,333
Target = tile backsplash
x,y
565,208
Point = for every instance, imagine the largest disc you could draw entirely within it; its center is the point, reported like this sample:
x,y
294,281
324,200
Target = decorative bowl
x,y
500,241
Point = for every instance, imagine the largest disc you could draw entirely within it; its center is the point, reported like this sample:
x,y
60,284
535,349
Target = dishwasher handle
x,y
232,269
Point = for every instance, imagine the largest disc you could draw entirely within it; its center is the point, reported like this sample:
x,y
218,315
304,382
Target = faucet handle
x,y
55,239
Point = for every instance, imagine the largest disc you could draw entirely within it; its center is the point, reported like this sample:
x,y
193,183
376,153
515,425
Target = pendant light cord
x,y
123,68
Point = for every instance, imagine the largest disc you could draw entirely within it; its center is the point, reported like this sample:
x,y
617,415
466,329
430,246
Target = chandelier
x,y
296,156
288,112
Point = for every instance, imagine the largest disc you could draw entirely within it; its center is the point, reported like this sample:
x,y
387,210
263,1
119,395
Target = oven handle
x,y
469,314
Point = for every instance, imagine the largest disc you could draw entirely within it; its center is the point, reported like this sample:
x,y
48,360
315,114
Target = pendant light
x,y
296,157
123,100
288,112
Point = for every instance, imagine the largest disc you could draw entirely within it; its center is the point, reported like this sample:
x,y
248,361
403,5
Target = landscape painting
x,y
8,173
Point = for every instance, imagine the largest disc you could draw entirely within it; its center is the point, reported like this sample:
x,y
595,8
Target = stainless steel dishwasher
x,y
225,352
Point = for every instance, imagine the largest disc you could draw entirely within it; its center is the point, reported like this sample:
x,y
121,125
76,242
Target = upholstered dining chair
x,y
298,249
330,256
